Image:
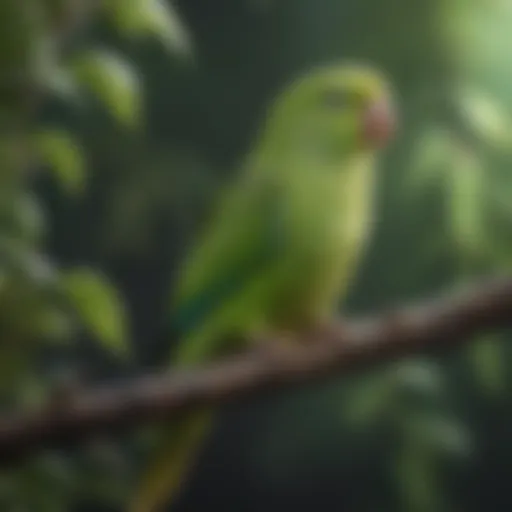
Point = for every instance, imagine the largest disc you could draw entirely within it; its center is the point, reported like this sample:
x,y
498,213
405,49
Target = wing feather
x,y
242,240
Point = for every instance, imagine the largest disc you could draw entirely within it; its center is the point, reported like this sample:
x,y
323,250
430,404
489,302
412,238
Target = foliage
x,y
44,308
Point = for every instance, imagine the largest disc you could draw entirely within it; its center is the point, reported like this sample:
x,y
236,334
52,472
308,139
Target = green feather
x,y
249,260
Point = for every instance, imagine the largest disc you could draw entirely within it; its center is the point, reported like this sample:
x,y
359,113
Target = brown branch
x,y
442,323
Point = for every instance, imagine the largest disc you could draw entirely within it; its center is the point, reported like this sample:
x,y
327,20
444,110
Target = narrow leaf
x,y
164,22
156,18
64,157
114,82
99,307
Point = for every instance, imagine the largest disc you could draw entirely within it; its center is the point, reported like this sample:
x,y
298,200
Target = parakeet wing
x,y
242,241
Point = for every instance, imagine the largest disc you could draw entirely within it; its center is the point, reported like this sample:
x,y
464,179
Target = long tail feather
x,y
177,450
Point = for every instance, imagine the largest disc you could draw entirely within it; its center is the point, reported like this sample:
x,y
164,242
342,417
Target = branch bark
x,y
439,324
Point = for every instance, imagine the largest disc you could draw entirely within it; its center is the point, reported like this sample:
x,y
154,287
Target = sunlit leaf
x,y
486,118
114,82
156,18
63,155
126,15
466,201
164,22
99,307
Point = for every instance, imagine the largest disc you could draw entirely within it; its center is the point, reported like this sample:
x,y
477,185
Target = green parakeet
x,y
284,244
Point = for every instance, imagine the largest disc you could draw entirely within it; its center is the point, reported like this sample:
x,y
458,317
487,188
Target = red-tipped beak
x,y
379,122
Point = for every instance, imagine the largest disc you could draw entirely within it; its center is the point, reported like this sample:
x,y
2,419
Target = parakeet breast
x,y
331,220
331,206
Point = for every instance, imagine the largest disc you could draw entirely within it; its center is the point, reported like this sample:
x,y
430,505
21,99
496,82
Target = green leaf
x,y
33,267
429,159
22,216
466,200
423,378
164,22
415,474
114,82
369,401
127,16
486,118
62,83
486,357
157,18
30,217
437,433
99,307
62,154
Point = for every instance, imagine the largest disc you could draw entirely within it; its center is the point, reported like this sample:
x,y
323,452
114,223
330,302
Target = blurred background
x,y
120,121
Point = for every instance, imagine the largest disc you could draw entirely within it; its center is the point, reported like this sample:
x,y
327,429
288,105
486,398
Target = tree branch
x,y
444,322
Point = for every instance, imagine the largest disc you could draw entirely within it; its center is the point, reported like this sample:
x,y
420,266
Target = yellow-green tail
x,y
176,452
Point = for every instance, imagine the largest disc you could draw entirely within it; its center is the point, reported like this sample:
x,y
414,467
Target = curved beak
x,y
379,124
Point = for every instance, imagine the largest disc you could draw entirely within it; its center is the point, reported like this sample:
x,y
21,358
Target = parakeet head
x,y
336,109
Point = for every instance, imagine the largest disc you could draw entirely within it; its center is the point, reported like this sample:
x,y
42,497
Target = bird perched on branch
x,y
284,244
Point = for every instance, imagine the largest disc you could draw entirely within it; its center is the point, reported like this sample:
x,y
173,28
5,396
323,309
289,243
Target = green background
x,y
141,145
